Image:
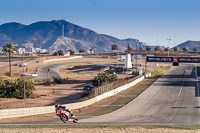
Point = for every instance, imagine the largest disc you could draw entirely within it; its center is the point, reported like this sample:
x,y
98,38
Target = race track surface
x,y
172,99
51,70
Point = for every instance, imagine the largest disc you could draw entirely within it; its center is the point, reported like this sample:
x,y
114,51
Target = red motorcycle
x,y
65,115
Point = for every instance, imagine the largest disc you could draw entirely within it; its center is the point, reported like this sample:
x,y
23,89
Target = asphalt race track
x,y
51,70
172,99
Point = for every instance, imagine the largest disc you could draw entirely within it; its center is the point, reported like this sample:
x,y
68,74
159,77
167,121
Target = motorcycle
x,y
66,116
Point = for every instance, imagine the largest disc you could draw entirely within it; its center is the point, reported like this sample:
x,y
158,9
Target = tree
x,y
71,52
196,50
141,48
9,49
167,49
60,52
81,50
104,78
176,48
91,51
15,88
148,48
157,48
185,49
129,49
55,53
114,47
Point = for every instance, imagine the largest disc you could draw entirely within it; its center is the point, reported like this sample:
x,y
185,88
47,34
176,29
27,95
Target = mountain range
x,y
60,34
190,44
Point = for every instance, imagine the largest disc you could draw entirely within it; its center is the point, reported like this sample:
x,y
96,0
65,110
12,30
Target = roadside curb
x,y
60,59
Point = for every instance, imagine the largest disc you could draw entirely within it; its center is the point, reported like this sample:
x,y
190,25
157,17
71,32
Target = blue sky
x,y
151,21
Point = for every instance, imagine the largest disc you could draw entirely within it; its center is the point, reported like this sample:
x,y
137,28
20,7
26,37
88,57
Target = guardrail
x,y
21,112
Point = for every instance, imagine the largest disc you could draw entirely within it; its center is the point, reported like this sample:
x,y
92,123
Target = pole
x,y
48,76
24,85
146,65
9,62
168,47
136,57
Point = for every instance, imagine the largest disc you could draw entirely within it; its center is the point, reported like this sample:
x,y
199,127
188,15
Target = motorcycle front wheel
x,y
64,118
75,120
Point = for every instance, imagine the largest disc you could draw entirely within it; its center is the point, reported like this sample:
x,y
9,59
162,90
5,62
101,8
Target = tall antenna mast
x,y
63,30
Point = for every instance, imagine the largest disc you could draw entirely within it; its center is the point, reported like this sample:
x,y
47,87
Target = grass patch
x,y
160,71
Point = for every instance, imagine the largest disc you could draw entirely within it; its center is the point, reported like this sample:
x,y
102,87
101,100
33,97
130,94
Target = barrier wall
x,y
21,112
59,59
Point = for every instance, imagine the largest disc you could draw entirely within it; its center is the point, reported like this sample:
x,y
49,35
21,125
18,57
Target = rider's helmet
x,y
56,105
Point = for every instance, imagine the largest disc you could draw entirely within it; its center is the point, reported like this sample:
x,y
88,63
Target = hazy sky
x,y
151,21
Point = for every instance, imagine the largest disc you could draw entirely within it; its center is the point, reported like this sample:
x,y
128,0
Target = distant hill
x,y
48,35
190,44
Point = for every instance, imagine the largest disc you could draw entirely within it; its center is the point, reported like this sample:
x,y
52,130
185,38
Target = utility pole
x,y
63,30
168,45
136,56
24,84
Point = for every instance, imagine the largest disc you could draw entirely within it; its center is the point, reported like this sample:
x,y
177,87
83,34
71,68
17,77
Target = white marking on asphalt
x,y
197,86
197,82
179,94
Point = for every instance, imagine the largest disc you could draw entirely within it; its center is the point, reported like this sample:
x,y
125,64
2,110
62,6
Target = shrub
x,y
15,88
57,80
103,78
7,73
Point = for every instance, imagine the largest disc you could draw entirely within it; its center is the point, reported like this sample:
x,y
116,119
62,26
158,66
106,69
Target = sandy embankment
x,y
96,130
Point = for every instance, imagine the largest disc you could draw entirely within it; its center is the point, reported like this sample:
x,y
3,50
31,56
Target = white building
x,y
67,53
43,51
37,50
29,50
21,50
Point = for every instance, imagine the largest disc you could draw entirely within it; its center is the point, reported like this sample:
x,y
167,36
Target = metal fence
x,y
103,89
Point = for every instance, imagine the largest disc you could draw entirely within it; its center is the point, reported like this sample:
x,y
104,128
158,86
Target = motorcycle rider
x,y
57,107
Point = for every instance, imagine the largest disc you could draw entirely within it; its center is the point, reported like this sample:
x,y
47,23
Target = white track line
x,y
179,94
197,82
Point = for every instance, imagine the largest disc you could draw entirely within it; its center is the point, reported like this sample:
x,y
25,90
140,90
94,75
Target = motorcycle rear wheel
x,y
64,118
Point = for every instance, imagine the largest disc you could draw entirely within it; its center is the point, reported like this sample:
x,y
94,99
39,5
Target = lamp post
x,y
136,56
24,83
168,46
48,75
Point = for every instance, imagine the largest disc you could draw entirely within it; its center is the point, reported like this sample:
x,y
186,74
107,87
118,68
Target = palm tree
x,y
114,47
167,49
196,50
81,50
91,51
129,49
157,48
148,48
185,49
9,49
176,48
141,48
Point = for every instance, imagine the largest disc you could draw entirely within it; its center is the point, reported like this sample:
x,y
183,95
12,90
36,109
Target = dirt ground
x,y
96,130
69,91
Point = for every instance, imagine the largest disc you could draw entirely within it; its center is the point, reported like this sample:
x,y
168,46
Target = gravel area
x,y
95,130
